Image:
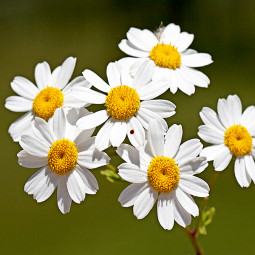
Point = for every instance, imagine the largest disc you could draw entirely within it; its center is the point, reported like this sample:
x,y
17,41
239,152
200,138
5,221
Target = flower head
x,y
52,91
163,171
128,104
232,134
168,49
64,153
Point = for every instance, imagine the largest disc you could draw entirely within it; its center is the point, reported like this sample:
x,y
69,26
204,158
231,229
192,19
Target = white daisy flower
x,y
52,91
168,49
232,134
64,154
163,172
128,102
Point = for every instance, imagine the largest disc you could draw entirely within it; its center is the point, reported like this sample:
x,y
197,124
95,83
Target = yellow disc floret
x,y
165,55
238,140
62,156
163,174
47,101
122,102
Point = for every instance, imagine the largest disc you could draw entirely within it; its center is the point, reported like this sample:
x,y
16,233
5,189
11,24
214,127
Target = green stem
x,y
193,236
204,203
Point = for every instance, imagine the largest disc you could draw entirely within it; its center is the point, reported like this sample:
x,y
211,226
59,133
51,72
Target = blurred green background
x,y
35,30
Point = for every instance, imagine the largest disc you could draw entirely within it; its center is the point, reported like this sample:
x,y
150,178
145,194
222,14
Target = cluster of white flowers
x,y
56,131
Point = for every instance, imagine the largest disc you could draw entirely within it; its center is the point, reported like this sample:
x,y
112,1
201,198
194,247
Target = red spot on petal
x,y
132,131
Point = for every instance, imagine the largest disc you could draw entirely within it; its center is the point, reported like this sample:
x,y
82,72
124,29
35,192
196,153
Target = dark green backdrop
x,y
35,30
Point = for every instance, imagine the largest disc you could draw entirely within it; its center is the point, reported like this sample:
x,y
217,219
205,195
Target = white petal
x,y
235,108
18,104
103,135
43,131
47,186
169,75
144,74
96,81
129,195
42,75
32,182
83,137
222,158
78,82
190,148
145,116
141,39
196,60
118,133
131,50
92,120
182,217
189,51
182,83
24,88
30,161
92,159
187,202
113,75
34,146
145,157
71,101
65,72
170,34
224,113
132,173
87,95
129,154
173,139
153,89
240,172
64,199
135,132
210,135
137,63
250,166
21,126
89,180
193,165
162,108
210,152
88,144
196,77
59,123
54,77
76,187
165,211
156,138
210,118
145,202
193,185
184,41
248,119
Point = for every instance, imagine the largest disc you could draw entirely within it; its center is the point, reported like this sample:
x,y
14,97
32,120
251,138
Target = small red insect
x,y
132,131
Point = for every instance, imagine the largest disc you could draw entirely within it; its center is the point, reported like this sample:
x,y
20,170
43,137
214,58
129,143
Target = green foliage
x,y
111,174
206,219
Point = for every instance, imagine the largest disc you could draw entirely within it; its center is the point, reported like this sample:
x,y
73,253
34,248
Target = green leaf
x,y
111,175
206,219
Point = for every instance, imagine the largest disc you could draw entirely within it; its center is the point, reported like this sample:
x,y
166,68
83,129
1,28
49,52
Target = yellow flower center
x,y
62,156
163,174
122,102
47,101
166,56
238,140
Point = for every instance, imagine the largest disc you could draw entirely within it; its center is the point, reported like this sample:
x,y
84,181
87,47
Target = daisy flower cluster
x,y
57,132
